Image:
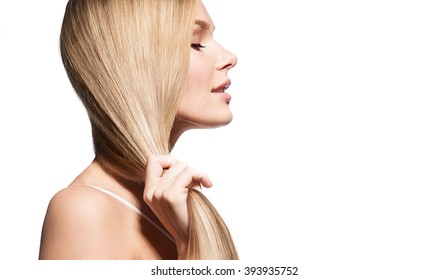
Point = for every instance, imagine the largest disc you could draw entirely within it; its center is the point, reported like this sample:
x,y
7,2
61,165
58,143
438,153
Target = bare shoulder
x,y
83,223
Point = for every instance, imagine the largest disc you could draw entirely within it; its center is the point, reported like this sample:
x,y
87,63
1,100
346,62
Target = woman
x,y
146,71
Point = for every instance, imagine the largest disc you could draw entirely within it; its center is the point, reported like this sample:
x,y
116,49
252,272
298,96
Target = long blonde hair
x,y
128,62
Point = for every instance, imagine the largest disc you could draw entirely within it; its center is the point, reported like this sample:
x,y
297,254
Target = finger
x,y
156,165
175,170
168,178
190,175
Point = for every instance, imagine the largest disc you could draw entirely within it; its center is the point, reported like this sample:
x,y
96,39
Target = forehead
x,y
203,15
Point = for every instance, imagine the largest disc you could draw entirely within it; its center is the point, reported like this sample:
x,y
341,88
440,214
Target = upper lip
x,y
222,87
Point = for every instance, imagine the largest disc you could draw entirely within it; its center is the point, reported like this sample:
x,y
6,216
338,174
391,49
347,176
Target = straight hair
x,y
128,62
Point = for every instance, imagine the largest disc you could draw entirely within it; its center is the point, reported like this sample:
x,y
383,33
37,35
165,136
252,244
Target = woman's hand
x,y
166,190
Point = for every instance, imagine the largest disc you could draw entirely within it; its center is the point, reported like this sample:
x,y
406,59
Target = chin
x,y
218,122
212,117
215,121
183,123
224,118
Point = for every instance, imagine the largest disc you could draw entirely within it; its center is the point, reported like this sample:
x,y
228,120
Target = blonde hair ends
x,y
128,62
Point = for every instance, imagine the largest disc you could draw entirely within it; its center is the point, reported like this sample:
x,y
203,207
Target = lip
x,y
220,90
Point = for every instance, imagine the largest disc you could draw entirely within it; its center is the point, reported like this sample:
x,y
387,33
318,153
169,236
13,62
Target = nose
x,y
226,60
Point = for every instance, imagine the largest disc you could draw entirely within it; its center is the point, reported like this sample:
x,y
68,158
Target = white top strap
x,y
135,209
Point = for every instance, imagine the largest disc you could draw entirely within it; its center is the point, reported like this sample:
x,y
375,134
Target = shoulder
x,y
80,204
79,200
82,223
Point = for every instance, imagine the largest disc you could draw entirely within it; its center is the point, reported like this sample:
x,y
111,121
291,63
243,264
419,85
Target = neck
x,y
179,127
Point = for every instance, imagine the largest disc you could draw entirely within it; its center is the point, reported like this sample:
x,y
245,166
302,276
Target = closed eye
x,y
197,47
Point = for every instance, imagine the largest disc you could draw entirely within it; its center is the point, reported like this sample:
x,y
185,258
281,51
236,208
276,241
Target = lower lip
x,y
224,95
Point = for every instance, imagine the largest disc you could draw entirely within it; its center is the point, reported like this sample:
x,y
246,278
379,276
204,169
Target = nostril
x,y
227,61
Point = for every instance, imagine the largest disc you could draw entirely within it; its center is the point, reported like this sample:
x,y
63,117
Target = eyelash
x,y
197,47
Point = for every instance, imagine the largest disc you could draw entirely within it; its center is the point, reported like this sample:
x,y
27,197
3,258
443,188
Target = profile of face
x,y
205,103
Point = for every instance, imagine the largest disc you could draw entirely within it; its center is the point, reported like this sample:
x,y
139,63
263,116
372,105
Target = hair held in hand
x,y
128,62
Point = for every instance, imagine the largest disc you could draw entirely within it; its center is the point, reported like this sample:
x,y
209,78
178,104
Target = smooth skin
x,y
84,223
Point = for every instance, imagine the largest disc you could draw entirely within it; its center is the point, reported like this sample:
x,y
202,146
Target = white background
x,y
336,160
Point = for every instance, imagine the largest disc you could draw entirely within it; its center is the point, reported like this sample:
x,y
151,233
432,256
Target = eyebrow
x,y
202,24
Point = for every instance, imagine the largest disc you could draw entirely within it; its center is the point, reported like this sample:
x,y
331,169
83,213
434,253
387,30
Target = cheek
x,y
200,75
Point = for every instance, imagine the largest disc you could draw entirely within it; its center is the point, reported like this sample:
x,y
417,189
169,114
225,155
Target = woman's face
x,y
206,102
